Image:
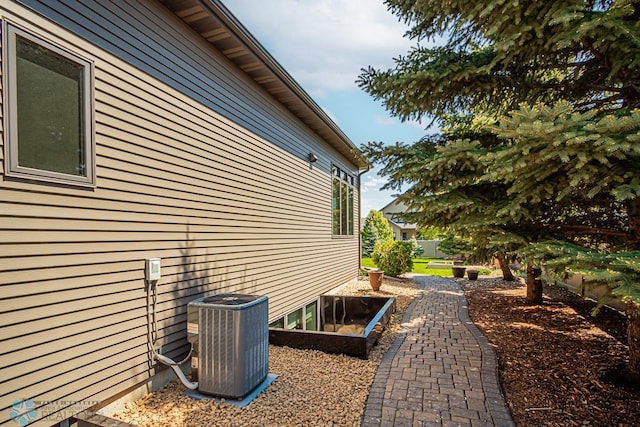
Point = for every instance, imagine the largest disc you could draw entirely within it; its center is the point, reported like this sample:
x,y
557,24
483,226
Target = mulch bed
x,y
554,359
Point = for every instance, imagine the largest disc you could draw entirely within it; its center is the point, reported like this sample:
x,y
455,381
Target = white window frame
x,y
11,143
285,317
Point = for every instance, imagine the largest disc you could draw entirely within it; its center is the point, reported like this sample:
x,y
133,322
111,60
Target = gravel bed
x,y
312,389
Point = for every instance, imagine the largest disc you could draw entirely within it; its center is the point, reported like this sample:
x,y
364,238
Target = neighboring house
x,y
401,229
136,129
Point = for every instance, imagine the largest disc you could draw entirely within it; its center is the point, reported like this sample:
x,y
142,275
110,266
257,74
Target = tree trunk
x,y
633,213
504,266
534,285
633,309
633,338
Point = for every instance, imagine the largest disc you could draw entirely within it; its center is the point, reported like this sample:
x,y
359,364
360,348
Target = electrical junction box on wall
x,y
152,270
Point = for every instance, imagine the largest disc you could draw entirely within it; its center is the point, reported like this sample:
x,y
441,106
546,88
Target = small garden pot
x,y
375,279
472,274
458,271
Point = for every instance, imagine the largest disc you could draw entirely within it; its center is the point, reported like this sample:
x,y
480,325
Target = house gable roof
x,y
403,226
401,207
215,23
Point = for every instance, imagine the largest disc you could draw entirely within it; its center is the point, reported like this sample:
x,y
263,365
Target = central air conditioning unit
x,y
230,338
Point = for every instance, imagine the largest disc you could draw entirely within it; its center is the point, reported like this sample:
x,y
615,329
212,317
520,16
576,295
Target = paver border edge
x,y
370,417
494,394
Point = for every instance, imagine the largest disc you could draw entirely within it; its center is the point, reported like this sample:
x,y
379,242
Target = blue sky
x,y
323,44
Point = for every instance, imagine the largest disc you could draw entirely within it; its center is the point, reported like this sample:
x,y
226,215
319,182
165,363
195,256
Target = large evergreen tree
x,y
541,140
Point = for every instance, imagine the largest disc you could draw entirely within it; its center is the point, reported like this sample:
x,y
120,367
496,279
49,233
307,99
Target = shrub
x,y
418,250
369,239
394,258
376,229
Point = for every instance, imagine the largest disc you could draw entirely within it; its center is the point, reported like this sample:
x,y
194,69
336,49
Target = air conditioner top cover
x,y
228,301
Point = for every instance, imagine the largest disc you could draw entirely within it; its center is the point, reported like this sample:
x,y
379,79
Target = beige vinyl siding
x,y
218,187
154,42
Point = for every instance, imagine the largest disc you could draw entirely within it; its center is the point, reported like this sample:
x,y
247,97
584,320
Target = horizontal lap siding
x,y
219,189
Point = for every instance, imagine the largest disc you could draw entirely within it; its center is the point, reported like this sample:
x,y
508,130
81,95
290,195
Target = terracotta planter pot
x,y
472,274
458,271
375,279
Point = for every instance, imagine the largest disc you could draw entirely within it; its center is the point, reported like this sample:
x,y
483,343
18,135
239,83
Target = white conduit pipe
x,y
151,321
183,379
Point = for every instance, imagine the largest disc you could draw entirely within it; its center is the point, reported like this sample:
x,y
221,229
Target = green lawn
x,y
419,266
368,262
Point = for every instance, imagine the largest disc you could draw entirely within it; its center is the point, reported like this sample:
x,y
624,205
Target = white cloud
x,y
373,198
373,181
390,121
324,43
385,120
416,124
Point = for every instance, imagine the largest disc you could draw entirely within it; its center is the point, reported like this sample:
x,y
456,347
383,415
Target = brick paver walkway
x,y
440,371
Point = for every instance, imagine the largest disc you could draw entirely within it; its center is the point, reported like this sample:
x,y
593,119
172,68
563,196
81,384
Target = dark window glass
x,y
49,110
344,211
278,323
336,206
342,203
311,317
351,213
294,319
